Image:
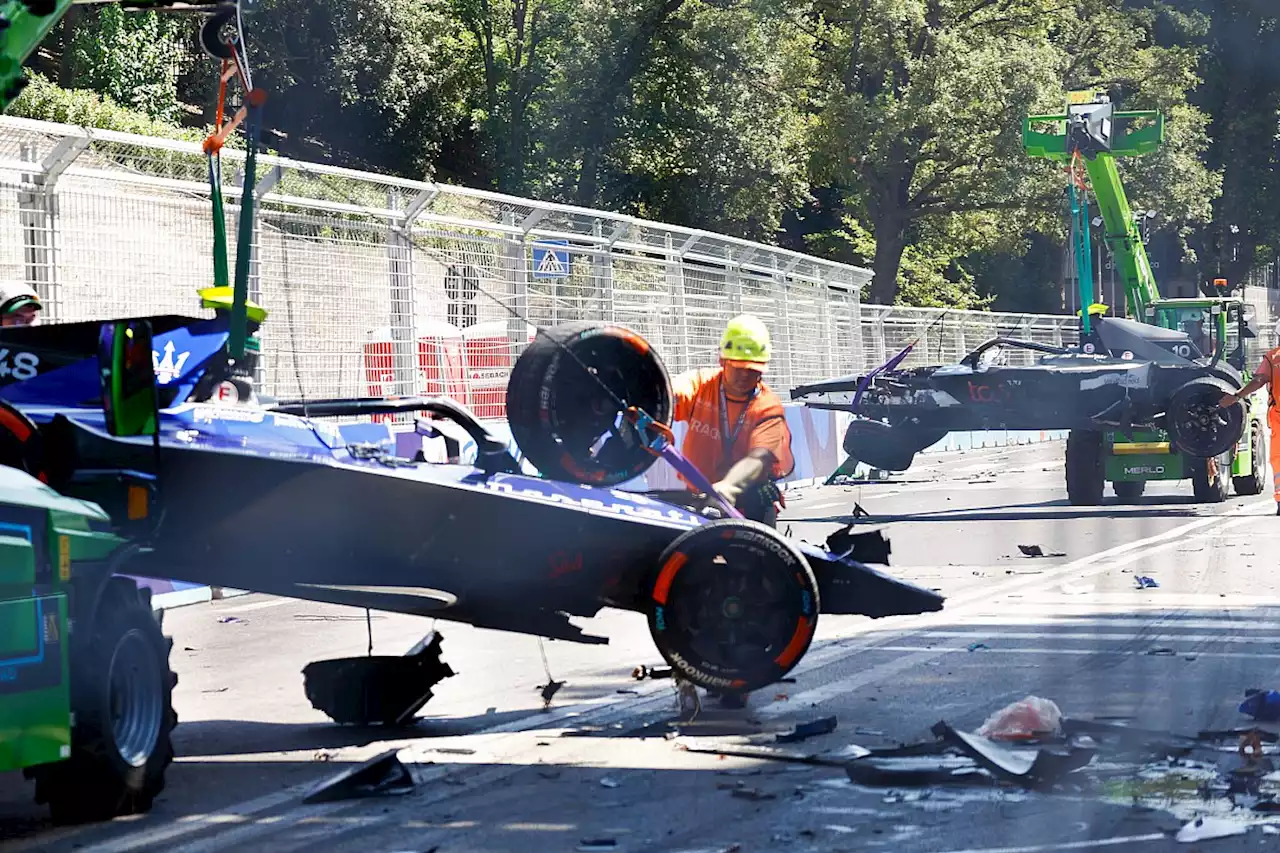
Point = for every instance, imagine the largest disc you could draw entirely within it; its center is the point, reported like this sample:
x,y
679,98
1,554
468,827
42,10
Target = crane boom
x,y
1093,131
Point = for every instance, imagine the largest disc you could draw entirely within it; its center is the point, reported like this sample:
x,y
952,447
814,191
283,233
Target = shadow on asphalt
x,y
1154,506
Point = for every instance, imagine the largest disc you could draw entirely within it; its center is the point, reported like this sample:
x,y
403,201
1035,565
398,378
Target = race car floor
x,y
497,772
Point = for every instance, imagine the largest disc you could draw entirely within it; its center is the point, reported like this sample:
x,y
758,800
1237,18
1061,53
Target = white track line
x,y
1069,845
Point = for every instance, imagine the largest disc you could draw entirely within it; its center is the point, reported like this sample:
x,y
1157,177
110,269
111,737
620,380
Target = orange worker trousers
x,y
1273,421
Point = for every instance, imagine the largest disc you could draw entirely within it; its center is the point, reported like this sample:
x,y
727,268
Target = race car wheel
x,y
122,697
1253,482
879,445
1129,490
21,446
1086,474
732,606
567,395
1197,425
1210,478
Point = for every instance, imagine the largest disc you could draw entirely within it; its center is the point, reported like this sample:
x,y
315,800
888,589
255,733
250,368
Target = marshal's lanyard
x,y
730,439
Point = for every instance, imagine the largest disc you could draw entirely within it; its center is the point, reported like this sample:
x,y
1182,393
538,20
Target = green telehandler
x,y
1088,137
85,683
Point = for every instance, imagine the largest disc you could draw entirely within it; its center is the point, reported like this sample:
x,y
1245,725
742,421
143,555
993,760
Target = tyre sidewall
x,y
784,560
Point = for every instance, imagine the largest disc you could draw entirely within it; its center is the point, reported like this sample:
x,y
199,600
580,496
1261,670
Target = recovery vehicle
x,y
1219,326
274,497
1125,387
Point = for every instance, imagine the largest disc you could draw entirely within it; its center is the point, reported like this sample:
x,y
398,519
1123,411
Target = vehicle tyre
x,y
1255,481
879,445
1129,490
1086,474
21,444
732,606
559,413
1197,426
122,697
211,29
1211,487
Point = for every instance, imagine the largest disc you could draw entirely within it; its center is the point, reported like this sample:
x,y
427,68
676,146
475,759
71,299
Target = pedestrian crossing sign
x,y
549,261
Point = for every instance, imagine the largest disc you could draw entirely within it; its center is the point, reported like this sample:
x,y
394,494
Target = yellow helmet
x,y
746,339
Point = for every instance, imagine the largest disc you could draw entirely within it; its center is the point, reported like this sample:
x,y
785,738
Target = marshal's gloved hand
x,y
742,476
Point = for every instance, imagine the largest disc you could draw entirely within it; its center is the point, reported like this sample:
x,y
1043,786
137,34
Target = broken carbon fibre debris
x,y
382,775
1037,551
868,547
640,673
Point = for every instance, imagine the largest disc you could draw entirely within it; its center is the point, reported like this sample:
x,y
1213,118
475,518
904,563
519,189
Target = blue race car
x,y
273,497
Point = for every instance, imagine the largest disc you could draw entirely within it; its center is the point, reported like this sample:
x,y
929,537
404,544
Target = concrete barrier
x,y
816,437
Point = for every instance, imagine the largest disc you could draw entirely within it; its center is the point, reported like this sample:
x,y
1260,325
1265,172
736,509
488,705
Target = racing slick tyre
x,y
566,397
122,699
1129,490
732,606
211,30
1255,481
1211,478
1086,474
879,445
1197,425
21,446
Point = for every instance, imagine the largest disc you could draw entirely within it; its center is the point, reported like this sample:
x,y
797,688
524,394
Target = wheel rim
x,y
1201,424
733,612
135,699
585,419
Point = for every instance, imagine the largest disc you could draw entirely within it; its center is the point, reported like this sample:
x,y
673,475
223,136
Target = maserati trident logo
x,y
168,369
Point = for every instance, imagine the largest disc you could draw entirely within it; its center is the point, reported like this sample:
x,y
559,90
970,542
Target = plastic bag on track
x,y
1026,719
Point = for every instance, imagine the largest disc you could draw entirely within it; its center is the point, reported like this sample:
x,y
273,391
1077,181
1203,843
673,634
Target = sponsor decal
x,y
168,369
1145,469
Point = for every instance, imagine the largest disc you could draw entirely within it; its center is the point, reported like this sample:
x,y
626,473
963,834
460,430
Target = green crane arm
x,y
1130,134
28,23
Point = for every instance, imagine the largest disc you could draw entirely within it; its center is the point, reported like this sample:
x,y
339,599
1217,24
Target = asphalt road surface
x,y
496,772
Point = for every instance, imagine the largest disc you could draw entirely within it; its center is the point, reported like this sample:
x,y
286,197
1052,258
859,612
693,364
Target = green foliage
x,y
43,100
133,58
902,117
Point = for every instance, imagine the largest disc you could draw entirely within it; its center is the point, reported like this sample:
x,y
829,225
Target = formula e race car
x,y
1124,375
274,497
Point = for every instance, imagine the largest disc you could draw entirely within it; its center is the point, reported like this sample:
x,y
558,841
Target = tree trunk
x,y
890,243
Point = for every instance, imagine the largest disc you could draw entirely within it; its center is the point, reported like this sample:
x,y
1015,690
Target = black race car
x,y
1125,375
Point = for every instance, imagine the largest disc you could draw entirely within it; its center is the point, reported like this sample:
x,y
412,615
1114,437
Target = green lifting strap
x,y
221,275
244,239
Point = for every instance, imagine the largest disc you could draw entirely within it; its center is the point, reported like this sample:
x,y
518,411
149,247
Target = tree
x,y
379,84
711,134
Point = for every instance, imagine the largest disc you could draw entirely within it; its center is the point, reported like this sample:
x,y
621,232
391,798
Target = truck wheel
x,y
1197,426
1129,490
122,697
1086,474
1210,478
1253,482
562,418
732,606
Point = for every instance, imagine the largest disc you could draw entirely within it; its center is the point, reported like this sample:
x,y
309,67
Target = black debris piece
x,y
1041,767
804,731
642,672
768,753
548,690
595,845
377,690
891,769
382,775
868,547
753,794
1037,551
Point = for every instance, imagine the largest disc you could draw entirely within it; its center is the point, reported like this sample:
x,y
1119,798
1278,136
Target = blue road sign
x,y
549,262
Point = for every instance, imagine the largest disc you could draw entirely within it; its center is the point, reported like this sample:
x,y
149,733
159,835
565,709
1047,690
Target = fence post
x,y
516,269
400,286
782,334
602,270
674,271
733,280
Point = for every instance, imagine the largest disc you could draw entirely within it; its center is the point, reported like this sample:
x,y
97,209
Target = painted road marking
x,y
1069,845
1158,630
257,605
1128,553
947,650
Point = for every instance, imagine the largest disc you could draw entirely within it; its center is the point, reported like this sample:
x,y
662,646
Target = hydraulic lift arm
x,y
1092,131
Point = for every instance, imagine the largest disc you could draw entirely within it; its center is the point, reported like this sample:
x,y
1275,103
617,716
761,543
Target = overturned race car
x,y
274,497
1124,375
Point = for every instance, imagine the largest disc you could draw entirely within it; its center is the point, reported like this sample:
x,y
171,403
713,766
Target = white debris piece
x,y
1209,828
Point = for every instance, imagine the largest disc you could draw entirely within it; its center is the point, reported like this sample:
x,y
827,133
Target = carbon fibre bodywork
x,y
262,500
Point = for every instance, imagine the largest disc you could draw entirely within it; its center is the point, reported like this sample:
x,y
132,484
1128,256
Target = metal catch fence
x,y
379,285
